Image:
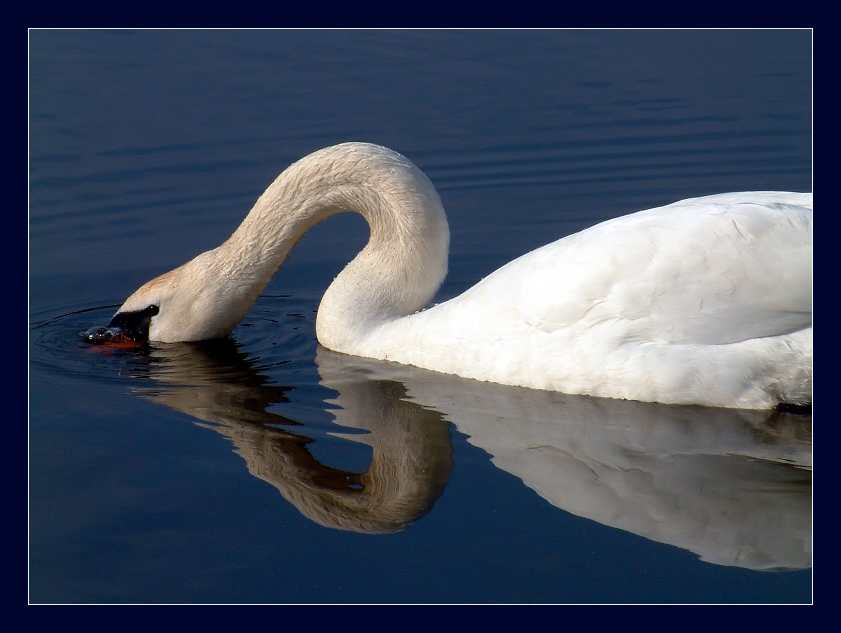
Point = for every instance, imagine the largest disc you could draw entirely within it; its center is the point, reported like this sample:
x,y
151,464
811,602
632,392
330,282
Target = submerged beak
x,y
111,336
131,328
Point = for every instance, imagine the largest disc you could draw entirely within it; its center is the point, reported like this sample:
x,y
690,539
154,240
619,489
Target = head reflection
x,y
411,448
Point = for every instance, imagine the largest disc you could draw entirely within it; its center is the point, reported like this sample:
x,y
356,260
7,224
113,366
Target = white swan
x,y
705,301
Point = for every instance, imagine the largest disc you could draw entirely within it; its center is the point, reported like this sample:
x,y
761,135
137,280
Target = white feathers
x,y
704,301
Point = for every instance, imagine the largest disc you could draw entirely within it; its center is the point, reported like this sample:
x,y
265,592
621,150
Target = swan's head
x,y
194,302
396,274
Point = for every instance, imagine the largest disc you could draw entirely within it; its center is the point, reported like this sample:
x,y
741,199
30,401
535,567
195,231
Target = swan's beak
x,y
113,336
125,328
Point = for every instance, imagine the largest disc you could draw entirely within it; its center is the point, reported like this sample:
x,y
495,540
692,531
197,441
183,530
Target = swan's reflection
x,y
732,486
412,451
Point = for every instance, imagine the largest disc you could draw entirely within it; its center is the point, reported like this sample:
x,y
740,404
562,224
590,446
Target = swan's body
x,y
705,301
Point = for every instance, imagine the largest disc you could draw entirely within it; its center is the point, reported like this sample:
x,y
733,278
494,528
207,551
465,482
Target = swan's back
x,y
705,301
712,271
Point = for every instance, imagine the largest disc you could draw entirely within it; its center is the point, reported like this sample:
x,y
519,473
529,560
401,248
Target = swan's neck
x,y
398,271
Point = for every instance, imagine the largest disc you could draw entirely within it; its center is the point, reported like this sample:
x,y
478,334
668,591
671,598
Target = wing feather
x,y
712,270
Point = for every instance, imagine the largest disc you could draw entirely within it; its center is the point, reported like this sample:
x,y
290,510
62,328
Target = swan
x,y
706,301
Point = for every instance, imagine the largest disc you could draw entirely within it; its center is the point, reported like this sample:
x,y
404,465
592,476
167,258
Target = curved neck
x,y
398,271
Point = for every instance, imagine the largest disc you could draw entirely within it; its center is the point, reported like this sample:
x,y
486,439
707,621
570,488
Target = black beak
x,y
134,325
124,326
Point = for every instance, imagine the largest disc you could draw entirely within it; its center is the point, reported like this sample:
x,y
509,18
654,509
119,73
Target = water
x,y
266,469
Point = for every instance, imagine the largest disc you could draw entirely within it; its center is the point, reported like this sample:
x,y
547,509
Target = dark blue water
x,y
266,469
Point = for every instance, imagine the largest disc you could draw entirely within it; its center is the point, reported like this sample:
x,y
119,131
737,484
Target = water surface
x,y
263,468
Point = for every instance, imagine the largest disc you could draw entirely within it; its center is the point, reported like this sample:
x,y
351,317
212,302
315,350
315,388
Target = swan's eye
x,y
135,325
